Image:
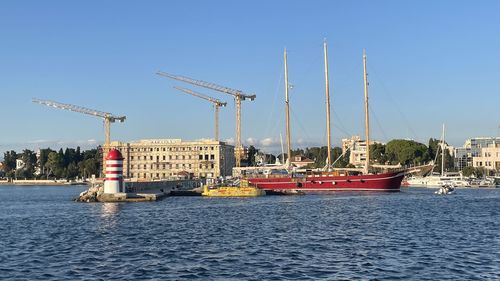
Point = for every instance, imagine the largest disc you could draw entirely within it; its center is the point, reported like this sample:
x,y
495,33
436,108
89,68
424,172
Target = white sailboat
x,y
443,179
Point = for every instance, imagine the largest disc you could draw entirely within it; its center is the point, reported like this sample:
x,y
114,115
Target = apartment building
x,y
472,149
357,150
488,158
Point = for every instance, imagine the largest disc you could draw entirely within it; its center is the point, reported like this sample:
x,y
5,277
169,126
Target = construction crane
x,y
217,104
107,117
238,97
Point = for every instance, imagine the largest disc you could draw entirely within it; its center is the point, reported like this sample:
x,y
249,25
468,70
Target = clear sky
x,y
429,63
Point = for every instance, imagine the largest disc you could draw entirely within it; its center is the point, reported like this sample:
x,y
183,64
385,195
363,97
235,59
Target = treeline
x,y
50,164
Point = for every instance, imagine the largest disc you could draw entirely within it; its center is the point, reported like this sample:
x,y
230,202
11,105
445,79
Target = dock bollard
x,y
113,183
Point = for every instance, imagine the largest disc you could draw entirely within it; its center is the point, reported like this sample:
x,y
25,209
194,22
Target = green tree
x,y
406,152
9,162
468,171
29,159
252,151
377,153
54,164
343,160
89,167
91,163
42,160
433,147
72,171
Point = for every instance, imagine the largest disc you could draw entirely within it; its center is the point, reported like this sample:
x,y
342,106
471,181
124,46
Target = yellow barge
x,y
244,190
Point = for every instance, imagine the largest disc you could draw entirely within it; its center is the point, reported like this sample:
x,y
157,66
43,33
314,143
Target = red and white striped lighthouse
x,y
113,183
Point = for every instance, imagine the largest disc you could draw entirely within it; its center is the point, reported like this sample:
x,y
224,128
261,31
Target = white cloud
x,y
251,141
268,142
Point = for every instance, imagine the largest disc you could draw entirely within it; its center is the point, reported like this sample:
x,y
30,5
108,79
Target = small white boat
x,y
446,189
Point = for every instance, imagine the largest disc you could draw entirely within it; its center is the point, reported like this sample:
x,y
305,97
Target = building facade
x,y
357,150
464,156
489,157
173,158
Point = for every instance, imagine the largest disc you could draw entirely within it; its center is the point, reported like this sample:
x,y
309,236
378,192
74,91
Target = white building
x,y
357,150
19,164
488,158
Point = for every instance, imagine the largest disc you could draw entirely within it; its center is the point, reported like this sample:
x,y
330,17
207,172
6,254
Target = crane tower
x,y
238,97
217,104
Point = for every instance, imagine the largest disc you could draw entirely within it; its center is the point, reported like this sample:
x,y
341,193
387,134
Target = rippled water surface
x,y
413,234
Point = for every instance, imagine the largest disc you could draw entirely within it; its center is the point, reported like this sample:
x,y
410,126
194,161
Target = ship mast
x,y
367,120
327,95
442,154
287,115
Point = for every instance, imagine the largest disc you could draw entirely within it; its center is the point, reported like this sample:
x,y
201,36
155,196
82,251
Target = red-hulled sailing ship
x,y
331,179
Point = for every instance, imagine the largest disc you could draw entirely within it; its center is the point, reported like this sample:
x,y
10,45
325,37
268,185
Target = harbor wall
x,y
163,186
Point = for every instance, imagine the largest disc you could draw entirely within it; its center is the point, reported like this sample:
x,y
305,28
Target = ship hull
x,y
388,182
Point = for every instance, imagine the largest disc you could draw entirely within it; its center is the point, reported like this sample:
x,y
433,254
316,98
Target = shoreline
x,y
41,182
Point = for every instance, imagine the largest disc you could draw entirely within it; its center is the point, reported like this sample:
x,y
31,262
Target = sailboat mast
x,y
287,113
442,154
327,95
367,120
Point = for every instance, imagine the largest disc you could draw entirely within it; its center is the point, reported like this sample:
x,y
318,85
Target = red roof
x,y
114,154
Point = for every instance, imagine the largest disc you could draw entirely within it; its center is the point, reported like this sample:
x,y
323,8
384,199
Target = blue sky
x,y
429,62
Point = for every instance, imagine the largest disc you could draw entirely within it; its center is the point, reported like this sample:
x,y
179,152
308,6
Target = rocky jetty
x,y
90,195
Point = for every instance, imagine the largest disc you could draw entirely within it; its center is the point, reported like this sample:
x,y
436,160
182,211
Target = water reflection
x,y
109,210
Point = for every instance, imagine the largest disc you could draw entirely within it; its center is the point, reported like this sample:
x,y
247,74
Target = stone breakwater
x,y
90,195
137,191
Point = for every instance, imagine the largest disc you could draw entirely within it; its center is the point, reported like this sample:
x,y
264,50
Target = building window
x,y
183,157
145,167
170,157
164,166
151,157
200,157
145,158
177,166
157,158
131,175
164,157
131,157
212,157
212,166
206,156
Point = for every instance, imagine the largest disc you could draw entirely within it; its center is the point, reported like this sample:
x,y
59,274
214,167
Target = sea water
x,y
410,235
